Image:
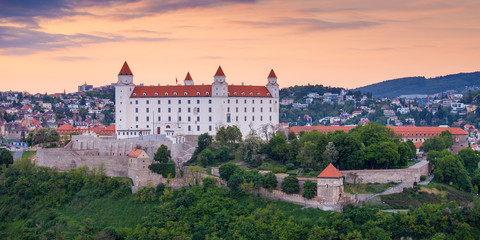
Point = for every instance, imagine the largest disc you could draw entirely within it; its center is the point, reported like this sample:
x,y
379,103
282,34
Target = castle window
x,y
198,128
210,101
198,93
261,118
210,109
189,128
261,109
245,118
270,101
136,101
253,109
253,101
159,119
185,93
148,119
189,119
179,101
169,101
253,118
148,110
188,109
236,118
207,93
228,109
136,110
243,94
236,101
174,93
261,101
169,118
235,93
270,118
251,94
179,118
228,101
198,119
236,109
169,110
166,94
156,94
245,101
134,94
188,101
179,110
144,94
210,118
158,101
245,110
158,109
198,101
210,128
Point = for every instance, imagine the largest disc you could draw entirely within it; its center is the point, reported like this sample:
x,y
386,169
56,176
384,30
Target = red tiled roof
x,y
418,144
324,129
330,172
197,91
125,70
110,128
65,127
428,130
188,77
135,153
248,91
172,91
272,74
219,72
404,131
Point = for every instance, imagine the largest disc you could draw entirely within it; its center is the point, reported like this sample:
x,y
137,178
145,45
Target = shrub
x,y
290,185
423,178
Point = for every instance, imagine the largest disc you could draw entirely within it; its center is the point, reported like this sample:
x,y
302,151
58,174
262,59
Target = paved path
x,y
17,155
426,182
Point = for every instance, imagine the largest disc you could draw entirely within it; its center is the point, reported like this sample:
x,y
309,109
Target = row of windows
x,y
174,94
197,109
421,134
198,101
189,119
170,101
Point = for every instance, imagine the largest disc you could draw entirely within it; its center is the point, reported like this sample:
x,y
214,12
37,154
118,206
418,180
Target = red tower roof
x,y
330,172
188,77
272,74
219,72
125,70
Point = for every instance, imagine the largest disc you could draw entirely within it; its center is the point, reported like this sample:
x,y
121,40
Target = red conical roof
x,y
188,77
219,72
330,172
125,70
272,74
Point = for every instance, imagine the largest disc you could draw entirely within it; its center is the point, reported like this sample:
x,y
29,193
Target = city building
x,y
191,109
85,87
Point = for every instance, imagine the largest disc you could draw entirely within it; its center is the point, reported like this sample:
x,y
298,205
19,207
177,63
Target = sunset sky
x,y
49,46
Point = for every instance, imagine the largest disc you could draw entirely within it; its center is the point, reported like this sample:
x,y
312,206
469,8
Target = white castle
x,y
191,109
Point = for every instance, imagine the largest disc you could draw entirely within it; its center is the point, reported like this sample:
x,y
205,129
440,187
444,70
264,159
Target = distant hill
x,y
422,85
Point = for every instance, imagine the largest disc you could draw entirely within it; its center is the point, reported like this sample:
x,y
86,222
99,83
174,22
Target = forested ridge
x,y
40,203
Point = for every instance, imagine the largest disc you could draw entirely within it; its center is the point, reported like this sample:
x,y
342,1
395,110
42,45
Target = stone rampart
x,y
411,174
64,160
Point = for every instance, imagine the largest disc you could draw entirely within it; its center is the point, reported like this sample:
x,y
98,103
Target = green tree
x,y
278,147
306,155
447,138
434,143
206,157
270,181
469,159
309,189
330,155
250,149
227,170
5,158
450,169
290,185
162,155
204,140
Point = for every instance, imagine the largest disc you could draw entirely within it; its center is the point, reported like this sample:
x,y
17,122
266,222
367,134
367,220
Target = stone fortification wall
x,y
65,160
411,174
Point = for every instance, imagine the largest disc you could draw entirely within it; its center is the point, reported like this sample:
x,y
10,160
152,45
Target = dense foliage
x,y
6,158
38,203
43,135
163,163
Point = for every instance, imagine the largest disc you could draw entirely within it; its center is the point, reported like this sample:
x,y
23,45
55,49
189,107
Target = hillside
x,y
421,85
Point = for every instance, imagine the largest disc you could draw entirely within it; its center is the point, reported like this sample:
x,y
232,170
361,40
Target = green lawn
x,y
29,155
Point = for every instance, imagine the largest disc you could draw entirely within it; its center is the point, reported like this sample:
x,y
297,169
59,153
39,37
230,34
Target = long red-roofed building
x,y
67,129
416,134
190,109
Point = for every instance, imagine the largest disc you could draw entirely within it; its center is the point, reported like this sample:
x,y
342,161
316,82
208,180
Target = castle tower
x,y
188,80
330,185
123,89
138,162
219,86
272,84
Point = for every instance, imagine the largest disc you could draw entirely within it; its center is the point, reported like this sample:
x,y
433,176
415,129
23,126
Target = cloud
x,y
28,11
24,41
70,58
310,24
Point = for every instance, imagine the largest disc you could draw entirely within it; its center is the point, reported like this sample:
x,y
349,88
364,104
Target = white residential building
x,y
191,109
